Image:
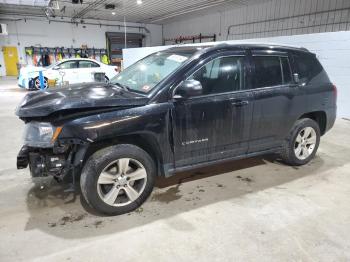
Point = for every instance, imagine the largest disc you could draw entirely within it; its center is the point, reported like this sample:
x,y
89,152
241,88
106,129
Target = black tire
x,y
37,87
102,159
288,153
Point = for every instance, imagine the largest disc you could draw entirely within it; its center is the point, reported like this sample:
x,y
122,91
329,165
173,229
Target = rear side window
x,y
87,64
69,65
267,71
272,71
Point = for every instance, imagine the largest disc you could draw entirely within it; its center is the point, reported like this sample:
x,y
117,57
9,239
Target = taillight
x,y
335,93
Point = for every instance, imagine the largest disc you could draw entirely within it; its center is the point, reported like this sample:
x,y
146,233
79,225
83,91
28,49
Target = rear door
x,y
276,99
214,125
87,69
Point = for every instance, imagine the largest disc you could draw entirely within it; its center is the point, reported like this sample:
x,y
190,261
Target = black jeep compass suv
x,y
174,110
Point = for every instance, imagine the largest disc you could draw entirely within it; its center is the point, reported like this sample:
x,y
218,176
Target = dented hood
x,y
89,96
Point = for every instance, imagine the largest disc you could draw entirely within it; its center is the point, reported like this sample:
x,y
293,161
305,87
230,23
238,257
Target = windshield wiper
x,y
126,88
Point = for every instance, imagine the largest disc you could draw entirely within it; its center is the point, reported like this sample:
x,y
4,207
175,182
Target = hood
x,y
89,96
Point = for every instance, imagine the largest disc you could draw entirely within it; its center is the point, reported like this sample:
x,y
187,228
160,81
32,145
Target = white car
x,y
68,71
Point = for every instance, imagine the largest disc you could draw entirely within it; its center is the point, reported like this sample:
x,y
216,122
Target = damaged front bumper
x,y
56,162
43,162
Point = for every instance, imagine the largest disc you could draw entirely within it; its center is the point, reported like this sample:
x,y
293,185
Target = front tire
x,y
302,143
118,179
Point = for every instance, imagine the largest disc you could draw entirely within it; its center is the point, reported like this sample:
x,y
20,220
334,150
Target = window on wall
x,y
224,74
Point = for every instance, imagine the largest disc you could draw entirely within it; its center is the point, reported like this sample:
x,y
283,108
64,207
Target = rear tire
x,y
302,142
37,83
118,179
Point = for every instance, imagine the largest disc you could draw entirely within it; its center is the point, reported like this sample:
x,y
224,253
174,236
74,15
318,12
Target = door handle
x,y
240,103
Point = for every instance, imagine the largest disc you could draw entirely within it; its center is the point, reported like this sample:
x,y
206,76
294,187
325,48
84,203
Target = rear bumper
x,y
27,83
331,116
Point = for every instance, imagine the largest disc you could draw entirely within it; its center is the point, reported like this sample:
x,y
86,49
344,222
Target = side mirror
x,y
296,78
56,68
189,88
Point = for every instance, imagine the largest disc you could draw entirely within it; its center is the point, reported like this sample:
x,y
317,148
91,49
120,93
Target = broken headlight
x,y
40,134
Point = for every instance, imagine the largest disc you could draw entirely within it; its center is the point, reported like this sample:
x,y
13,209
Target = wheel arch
x,y
145,141
320,117
38,77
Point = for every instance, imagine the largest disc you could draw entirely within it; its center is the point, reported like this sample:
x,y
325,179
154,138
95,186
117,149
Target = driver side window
x,y
221,75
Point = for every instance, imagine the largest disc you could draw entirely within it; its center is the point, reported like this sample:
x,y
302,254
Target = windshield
x,y
52,65
145,74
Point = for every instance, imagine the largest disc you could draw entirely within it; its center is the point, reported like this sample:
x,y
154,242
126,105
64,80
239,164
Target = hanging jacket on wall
x,y
35,60
45,60
52,58
104,59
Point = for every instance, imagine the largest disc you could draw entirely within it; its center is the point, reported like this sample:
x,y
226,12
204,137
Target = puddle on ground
x,y
171,194
98,223
67,219
245,179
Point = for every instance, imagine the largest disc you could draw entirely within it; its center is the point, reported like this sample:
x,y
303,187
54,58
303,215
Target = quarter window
x,y
308,67
224,74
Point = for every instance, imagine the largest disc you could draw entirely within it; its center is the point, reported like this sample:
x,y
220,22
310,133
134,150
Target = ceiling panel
x,y
26,2
150,11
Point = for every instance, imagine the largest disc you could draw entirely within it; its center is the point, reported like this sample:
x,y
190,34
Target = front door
x,y
214,125
87,69
69,72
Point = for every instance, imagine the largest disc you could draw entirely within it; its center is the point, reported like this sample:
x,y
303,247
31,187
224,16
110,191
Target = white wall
x,y
43,33
332,49
132,55
272,18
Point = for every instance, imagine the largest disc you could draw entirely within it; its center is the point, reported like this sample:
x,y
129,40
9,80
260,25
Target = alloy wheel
x,y
305,143
37,84
122,182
